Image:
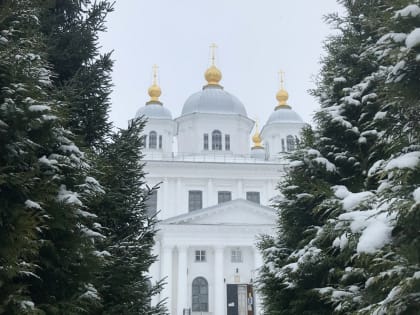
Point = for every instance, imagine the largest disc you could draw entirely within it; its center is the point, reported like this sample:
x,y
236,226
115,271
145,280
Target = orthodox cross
x,y
155,71
281,75
213,52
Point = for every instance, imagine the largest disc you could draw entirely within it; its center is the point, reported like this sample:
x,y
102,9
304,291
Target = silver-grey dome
x,y
284,115
215,100
155,111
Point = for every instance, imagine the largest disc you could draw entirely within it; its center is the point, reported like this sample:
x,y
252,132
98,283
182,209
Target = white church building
x,y
214,195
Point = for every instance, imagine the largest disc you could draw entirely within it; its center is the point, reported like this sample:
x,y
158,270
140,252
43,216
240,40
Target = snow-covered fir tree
x,y
348,239
83,75
125,284
83,79
54,100
46,229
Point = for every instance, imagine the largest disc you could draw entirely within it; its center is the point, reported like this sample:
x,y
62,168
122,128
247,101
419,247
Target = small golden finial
x,y
282,96
212,74
154,90
256,138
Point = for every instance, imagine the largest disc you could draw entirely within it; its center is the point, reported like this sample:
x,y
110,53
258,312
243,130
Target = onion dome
x,y
154,92
257,151
256,138
213,98
213,75
154,107
283,113
282,96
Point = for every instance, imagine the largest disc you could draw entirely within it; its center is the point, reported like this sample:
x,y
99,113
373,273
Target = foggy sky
x,y
255,40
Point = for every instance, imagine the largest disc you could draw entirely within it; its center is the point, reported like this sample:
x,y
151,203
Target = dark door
x,y
240,299
232,299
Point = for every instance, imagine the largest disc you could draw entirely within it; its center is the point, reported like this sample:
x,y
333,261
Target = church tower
x,y
281,131
213,121
160,128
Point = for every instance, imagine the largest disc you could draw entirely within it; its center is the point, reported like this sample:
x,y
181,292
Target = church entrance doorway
x,y
240,299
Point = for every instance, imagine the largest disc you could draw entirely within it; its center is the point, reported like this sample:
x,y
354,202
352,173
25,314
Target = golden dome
x,y
256,138
154,90
282,96
213,75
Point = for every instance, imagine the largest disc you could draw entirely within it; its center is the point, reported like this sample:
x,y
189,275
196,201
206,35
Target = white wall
x,y
177,178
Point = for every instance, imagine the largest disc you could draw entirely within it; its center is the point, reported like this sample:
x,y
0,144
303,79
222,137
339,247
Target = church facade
x,y
214,195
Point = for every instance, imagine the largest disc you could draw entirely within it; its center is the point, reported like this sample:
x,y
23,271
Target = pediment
x,y
235,212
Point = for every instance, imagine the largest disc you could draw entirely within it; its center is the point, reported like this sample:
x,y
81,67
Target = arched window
x,y
200,295
216,140
152,140
160,142
290,143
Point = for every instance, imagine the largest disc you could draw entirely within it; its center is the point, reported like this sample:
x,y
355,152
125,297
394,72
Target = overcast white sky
x,y
255,40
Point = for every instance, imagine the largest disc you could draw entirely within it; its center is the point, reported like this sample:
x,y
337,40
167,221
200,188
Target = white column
x,y
182,288
210,193
240,189
165,197
219,283
178,195
258,262
166,272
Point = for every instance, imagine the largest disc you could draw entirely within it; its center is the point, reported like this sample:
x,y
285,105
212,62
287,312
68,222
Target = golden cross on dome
x,y
155,72
281,75
213,52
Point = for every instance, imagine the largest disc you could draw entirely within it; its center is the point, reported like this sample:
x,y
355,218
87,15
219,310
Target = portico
x,y
200,256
